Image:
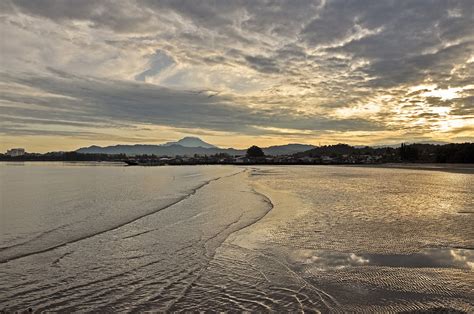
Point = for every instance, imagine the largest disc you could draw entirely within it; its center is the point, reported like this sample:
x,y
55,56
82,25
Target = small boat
x,y
131,162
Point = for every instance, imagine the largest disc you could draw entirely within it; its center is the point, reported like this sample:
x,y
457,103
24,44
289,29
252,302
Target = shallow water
x,y
84,237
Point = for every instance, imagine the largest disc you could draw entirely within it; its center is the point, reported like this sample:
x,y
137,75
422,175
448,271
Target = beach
x,y
90,237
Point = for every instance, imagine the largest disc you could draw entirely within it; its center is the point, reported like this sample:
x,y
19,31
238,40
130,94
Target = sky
x,y
235,73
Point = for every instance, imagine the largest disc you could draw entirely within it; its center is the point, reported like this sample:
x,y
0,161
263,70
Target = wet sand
x,y
291,238
457,168
379,240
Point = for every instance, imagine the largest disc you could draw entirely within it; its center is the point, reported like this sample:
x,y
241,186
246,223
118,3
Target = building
x,y
242,160
15,152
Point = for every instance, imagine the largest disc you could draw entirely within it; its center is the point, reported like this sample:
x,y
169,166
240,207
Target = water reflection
x,y
432,258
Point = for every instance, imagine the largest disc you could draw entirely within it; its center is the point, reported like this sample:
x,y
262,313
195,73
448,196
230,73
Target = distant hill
x,y
159,150
342,149
287,149
188,146
418,152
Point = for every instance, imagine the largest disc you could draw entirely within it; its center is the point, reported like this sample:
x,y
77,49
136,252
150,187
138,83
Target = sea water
x,y
104,237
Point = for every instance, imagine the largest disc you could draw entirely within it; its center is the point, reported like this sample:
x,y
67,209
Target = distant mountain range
x,y
189,146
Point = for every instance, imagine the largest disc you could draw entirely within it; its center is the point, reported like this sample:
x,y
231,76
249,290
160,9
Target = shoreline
x,y
448,167
457,168
118,162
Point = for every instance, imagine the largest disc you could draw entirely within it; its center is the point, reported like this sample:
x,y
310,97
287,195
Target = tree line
x,y
418,153
449,153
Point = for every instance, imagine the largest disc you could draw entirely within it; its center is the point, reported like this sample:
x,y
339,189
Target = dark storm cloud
x,y
93,101
262,64
117,15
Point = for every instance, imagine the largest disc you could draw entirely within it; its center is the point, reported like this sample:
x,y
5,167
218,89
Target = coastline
x,y
448,167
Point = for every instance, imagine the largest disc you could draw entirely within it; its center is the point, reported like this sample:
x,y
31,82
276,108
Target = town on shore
x,y
319,155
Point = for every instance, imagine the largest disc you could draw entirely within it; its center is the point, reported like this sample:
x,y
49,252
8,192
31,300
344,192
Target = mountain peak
x,y
191,138
191,141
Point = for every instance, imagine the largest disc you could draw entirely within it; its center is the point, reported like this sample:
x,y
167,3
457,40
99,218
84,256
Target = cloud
x,y
262,64
158,62
77,101
286,68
